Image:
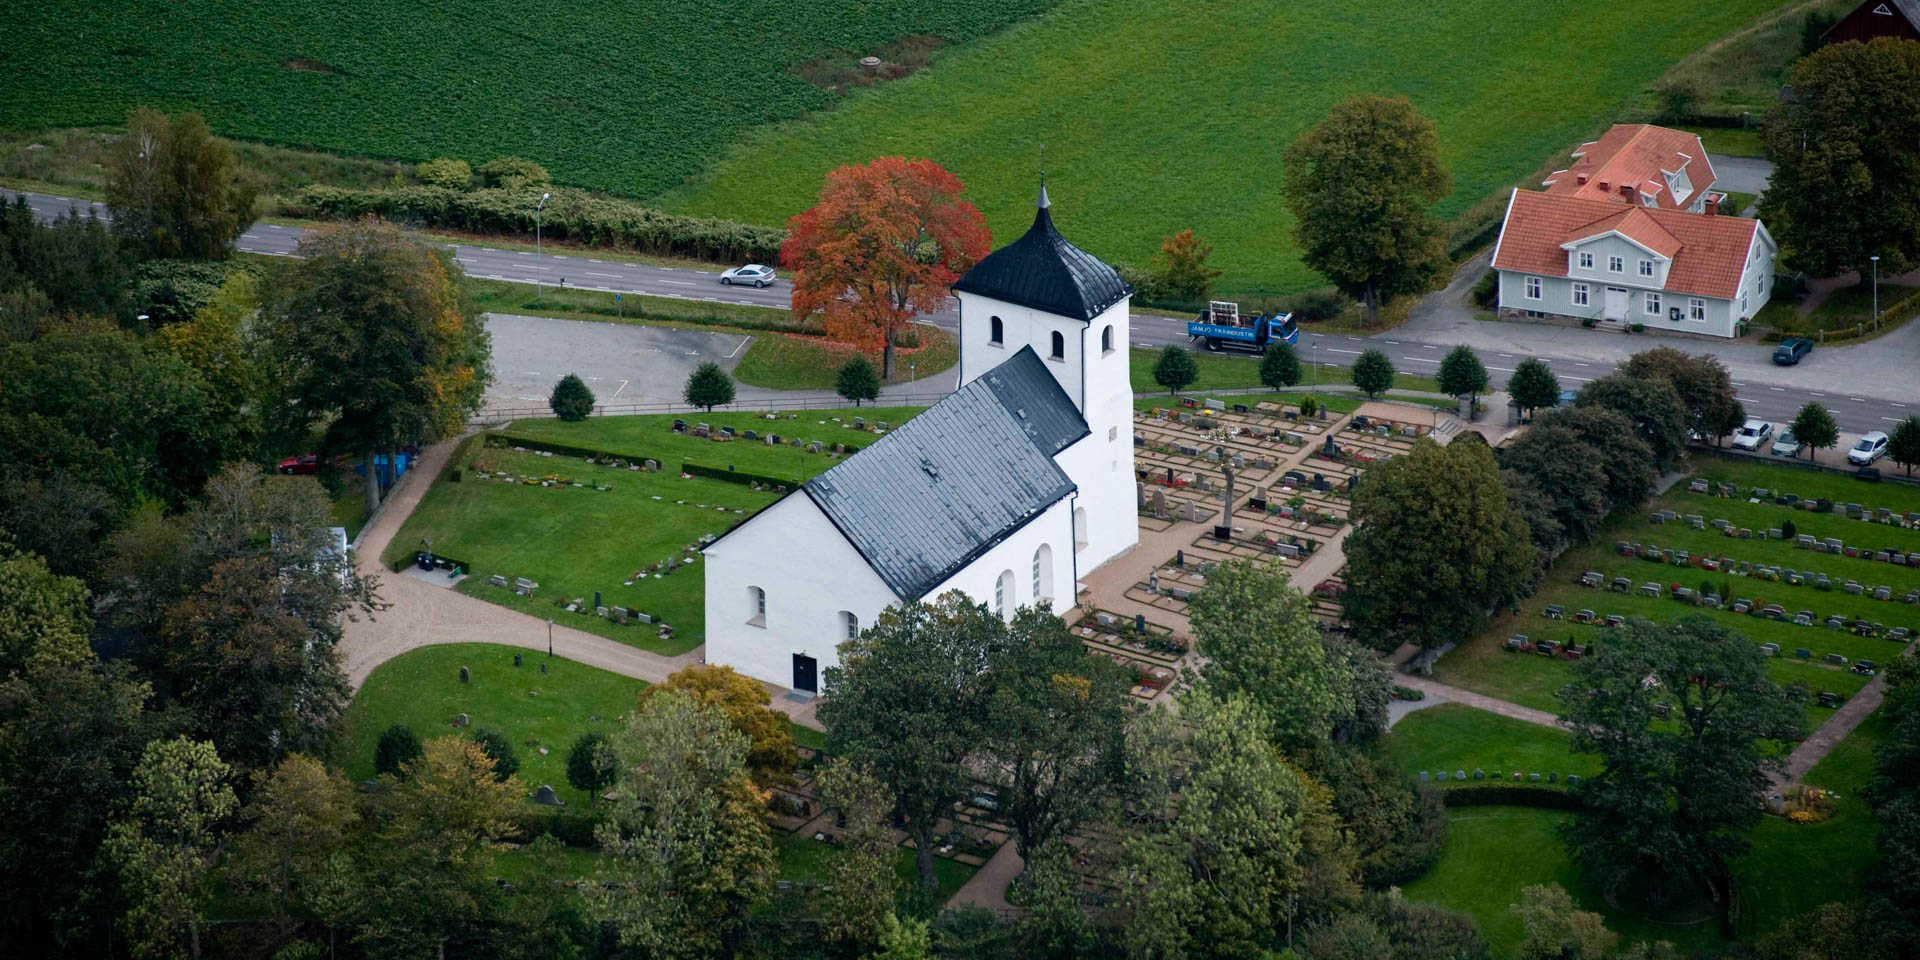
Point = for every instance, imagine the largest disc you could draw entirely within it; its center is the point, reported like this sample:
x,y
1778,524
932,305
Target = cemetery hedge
x,y
1510,795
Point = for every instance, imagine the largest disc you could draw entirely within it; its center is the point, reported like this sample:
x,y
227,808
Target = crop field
x,y
629,96
1160,116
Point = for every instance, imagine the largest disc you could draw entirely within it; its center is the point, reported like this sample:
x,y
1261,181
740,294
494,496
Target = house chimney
x,y
1712,206
1626,190
1582,180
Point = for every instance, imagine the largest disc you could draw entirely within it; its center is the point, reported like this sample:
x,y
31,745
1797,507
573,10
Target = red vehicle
x,y
305,464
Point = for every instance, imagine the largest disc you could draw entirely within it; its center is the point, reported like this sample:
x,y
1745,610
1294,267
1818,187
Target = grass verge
x,y
572,303
1229,371
785,362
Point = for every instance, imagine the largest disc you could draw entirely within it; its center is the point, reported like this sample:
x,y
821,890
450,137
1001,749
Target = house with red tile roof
x,y
1877,18
1639,164
1562,255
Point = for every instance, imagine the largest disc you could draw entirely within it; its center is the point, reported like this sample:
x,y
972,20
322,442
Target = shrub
x,y
708,386
514,173
1316,306
584,770
1486,292
1638,327
1788,530
571,401
506,762
1517,795
446,173
858,381
1175,369
398,746
1146,286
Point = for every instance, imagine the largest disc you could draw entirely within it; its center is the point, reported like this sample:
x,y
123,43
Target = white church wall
x,y
1102,464
810,574
1052,528
1020,327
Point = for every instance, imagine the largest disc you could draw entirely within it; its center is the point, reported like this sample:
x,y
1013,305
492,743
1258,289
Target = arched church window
x,y
756,606
1059,346
1002,592
996,331
1106,340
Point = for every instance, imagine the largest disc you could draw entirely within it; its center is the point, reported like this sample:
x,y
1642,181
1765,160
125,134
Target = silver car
x,y
1752,434
1869,449
1786,446
752,273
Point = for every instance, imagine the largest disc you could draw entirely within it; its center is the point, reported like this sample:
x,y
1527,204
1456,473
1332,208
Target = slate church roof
x,y
1043,271
929,498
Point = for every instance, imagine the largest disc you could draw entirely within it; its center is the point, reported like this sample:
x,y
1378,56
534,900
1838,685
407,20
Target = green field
x,y
1159,116
812,363
1454,737
624,96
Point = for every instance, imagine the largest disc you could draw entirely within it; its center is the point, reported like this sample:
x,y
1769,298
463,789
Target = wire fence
x,y
497,415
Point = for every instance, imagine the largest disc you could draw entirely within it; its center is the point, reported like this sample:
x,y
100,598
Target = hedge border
x,y
735,476
462,451
1520,795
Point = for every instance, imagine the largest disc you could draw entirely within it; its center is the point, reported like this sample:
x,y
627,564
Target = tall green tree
x,y
1279,365
1175,369
857,380
571,399
163,844
175,188
589,769
1533,385
1653,406
1893,892
1373,373
1434,546
1553,929
1052,739
1845,177
43,617
1903,447
858,893
1462,373
398,746
1814,427
300,816
1054,924
708,386
685,850
1708,399
1675,799
372,339
1571,465
71,262
1262,645
907,701
1361,186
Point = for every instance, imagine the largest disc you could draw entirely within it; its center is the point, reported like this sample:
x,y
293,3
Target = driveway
x,y
1740,174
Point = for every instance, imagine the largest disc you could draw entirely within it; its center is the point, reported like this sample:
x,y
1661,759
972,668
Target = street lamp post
x,y
1316,366
911,375
1876,291
549,636
542,205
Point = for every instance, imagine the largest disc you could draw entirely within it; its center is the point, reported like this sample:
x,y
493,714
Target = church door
x,y
806,674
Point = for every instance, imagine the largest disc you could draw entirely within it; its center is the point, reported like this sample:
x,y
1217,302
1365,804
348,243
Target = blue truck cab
x,y
1222,327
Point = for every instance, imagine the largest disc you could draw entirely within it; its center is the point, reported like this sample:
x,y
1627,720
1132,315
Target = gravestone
x,y
497,580
466,676
1139,623
546,797
1696,486
1159,503
460,720
516,660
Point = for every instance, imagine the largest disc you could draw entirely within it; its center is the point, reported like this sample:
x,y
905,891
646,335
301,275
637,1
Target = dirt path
x,y
423,614
1816,746
1477,701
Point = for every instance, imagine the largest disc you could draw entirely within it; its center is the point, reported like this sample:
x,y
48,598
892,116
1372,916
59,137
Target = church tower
x,y
1045,293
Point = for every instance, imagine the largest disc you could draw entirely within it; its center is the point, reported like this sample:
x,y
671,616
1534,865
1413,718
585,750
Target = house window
x,y
1648,199
1616,265
1043,573
1586,260
1106,340
1696,308
756,607
1533,288
1646,268
1743,304
996,332
1653,305
1580,295
850,624
1059,346
1002,591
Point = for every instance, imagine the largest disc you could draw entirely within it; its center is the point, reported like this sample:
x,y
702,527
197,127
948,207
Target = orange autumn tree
x,y
884,243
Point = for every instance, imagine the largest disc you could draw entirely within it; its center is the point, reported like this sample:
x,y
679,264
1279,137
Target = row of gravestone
x,y
1813,504
1804,541
1758,571
1383,428
1552,776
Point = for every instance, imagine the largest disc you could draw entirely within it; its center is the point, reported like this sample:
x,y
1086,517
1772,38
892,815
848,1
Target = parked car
x,y
752,273
1869,449
1752,434
1791,350
1787,446
305,464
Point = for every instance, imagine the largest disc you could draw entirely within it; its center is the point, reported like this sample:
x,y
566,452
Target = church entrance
x,y
806,674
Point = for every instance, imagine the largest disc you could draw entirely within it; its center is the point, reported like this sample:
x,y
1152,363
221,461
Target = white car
x,y
752,273
1752,434
1869,449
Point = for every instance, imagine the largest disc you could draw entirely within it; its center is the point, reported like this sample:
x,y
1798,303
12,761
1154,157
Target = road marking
x,y
533,373
1394,342
1428,346
623,386
1899,404
684,283
523,253
1356,339
1338,350
1818,394
1579,364
1507,355
1858,399
1421,359
1739,384
1895,419
1502,369
612,276
743,342
1778,389
591,260
1581,379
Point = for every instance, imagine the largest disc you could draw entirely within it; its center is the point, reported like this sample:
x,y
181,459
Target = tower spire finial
x,y
1043,203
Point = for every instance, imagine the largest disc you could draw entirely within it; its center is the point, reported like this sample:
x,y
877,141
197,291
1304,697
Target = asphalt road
x,y
1868,387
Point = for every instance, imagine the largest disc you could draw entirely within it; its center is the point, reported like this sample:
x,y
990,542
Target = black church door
x,y
806,674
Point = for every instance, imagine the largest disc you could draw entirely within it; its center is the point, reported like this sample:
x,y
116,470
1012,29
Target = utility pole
x,y
549,638
542,205
1876,291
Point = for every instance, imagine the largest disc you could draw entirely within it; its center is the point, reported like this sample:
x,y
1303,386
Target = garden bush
x,y
446,173
1514,795
506,761
398,746
1316,306
1486,292
514,173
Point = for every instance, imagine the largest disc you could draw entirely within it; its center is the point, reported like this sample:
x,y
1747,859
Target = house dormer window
x,y
1586,260
1616,265
1646,267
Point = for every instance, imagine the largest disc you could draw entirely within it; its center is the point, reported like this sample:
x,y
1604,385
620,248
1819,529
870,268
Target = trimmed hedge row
x,y
462,452
562,449
572,829
570,215
1518,795
734,476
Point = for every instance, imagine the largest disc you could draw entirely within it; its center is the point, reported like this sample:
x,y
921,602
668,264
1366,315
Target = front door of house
x,y
806,674
1616,303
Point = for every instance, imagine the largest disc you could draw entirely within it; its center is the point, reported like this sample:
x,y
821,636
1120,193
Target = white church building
x,y
1009,490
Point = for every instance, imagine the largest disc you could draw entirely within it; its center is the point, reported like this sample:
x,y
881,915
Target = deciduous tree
x,y
162,846
744,702
300,817
447,173
685,849
372,339
1262,645
1373,373
1844,171
1553,929
589,769
1675,800
1175,369
1903,447
885,241
1359,187
1814,428
571,400
1533,385
1654,407
1181,266
907,701
857,380
1054,924
499,749
1705,388
708,386
1279,365
397,747
1462,373
175,188
859,883
43,617
1434,547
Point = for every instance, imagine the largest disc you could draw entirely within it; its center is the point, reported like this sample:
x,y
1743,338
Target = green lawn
x,y
652,436
501,296
1732,141
422,689
1454,737
1806,482
810,363
1336,402
1492,852
1159,117
1227,371
1843,311
804,858
574,541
